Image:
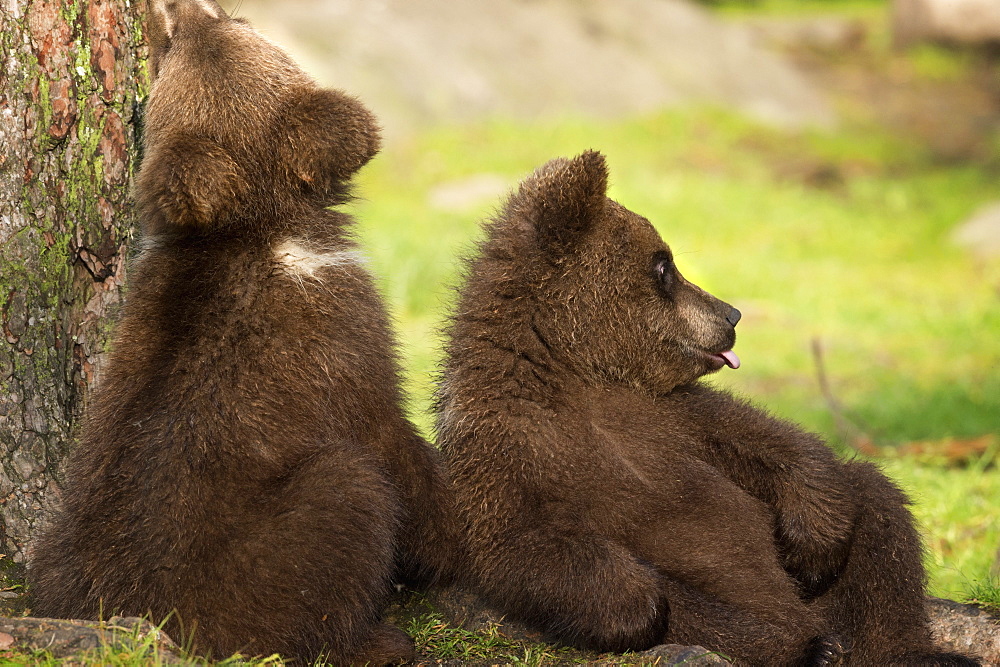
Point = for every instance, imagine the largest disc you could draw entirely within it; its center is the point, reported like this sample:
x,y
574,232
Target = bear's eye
x,y
663,269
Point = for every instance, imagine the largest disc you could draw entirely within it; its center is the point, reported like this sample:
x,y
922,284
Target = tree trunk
x,y
72,78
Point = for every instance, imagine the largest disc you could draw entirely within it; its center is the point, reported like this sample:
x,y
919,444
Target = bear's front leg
x,y
814,520
842,529
878,598
791,471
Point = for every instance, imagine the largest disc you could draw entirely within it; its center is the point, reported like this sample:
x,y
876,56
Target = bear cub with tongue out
x,y
614,502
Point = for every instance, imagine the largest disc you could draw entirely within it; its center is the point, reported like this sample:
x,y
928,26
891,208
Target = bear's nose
x,y
733,317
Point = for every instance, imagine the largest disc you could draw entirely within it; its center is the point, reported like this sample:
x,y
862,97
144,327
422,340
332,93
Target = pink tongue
x,y
731,359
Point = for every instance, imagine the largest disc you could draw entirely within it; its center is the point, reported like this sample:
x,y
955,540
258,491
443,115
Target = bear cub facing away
x,y
245,469
614,502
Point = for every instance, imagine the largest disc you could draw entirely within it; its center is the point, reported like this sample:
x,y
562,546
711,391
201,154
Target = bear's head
x,y
235,132
601,285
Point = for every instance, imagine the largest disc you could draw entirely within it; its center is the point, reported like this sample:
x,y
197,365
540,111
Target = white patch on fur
x,y
148,243
304,262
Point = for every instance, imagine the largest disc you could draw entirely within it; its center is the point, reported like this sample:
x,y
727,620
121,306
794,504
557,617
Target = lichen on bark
x,y
72,78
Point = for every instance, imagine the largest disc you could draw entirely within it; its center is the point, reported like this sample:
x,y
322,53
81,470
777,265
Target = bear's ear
x,y
564,198
188,181
330,135
166,17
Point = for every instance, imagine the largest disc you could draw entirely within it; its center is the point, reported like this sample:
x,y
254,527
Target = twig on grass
x,y
849,431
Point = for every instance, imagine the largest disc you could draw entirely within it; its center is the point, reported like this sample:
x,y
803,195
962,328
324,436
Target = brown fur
x,y
246,469
616,503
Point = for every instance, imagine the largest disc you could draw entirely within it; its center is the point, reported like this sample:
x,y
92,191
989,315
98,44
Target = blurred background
x,y
830,167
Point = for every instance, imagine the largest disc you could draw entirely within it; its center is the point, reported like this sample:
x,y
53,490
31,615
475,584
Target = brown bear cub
x,y
616,503
245,470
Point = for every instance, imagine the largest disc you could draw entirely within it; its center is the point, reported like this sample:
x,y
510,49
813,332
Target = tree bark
x,y
72,80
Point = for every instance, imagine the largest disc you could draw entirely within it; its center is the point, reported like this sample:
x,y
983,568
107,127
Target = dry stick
x,y
850,432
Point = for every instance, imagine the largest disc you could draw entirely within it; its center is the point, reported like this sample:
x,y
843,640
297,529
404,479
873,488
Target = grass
x,y
906,319
495,643
986,594
957,508
434,636
131,646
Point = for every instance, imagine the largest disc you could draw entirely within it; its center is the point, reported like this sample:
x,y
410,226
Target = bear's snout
x,y
734,316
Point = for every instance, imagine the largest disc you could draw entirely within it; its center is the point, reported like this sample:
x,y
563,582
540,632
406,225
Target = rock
x,y
966,629
64,639
689,656
956,22
980,234
420,62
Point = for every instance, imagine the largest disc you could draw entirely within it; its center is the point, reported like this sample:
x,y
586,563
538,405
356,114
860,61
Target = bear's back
x,y
232,367
224,338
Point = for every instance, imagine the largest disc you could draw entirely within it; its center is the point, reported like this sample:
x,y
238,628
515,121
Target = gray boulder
x,y
966,629
957,22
